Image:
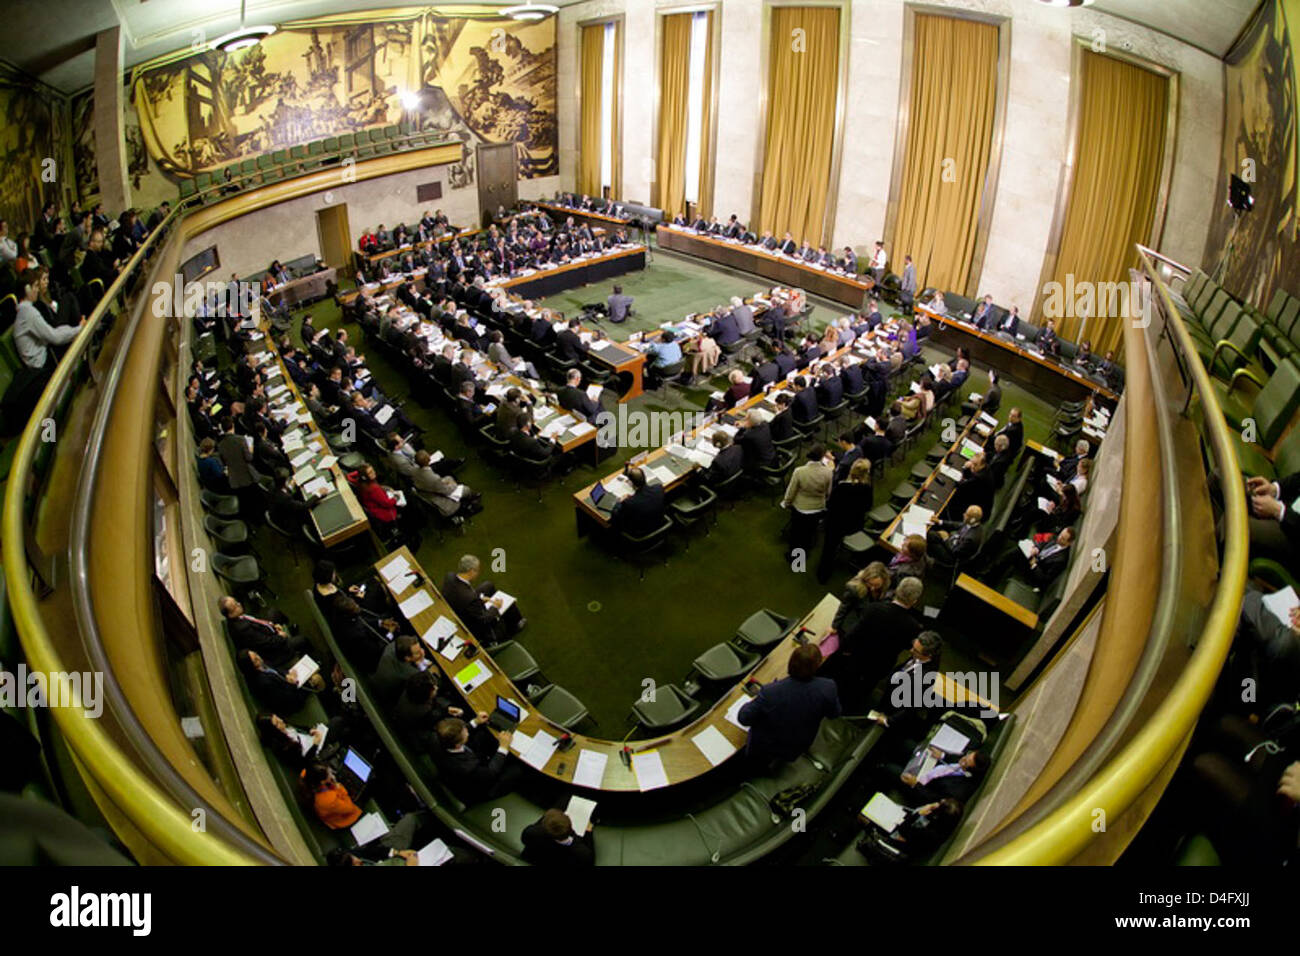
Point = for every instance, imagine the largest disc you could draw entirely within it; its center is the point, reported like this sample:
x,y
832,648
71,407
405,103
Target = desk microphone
x,y
799,635
625,755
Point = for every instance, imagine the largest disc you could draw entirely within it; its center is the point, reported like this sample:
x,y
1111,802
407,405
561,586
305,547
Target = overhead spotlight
x,y
530,11
1067,3
244,37
410,101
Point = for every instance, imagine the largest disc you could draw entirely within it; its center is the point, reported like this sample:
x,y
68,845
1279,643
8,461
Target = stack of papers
x,y
394,568
714,745
884,813
579,812
301,671
949,740
472,676
416,603
368,828
539,750
649,769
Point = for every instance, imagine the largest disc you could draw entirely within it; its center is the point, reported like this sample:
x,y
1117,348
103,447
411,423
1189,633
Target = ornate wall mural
x,y
1259,142
481,79
33,129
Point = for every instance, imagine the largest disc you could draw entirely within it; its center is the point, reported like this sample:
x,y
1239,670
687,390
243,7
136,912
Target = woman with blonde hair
x,y
868,585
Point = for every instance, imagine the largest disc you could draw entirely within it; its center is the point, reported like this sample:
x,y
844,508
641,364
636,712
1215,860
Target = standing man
x,y
908,287
783,719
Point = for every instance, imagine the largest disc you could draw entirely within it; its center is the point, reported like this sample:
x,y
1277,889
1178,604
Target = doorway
x,y
497,185
335,236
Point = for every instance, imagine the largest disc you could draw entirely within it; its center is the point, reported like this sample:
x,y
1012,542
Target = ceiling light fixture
x,y
530,11
244,37
1067,3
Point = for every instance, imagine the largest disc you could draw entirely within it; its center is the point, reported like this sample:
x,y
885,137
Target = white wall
x,y
288,230
1034,144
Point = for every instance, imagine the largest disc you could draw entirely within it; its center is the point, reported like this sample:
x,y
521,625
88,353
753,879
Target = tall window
x,y
685,107
598,166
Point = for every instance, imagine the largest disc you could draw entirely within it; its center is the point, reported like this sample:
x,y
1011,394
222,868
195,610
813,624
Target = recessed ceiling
x,y
54,39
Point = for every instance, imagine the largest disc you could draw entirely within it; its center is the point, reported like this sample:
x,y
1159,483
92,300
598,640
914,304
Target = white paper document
x,y
369,827
416,603
733,712
884,813
590,771
949,740
649,770
393,568
540,750
714,745
435,854
1280,603
579,812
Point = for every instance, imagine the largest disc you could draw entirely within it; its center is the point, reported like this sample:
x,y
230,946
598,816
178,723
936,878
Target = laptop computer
x,y
505,716
602,499
355,772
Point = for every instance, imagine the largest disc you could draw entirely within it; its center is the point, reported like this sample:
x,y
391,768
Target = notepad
x,y
300,459
392,569
384,414
443,627
713,745
1027,547
506,603
540,750
590,771
472,677
1280,603
329,461
949,740
369,827
416,603
579,812
1044,505
649,769
435,854
950,472
884,813
301,671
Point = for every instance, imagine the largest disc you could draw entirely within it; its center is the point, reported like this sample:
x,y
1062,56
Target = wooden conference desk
x,y
338,516
682,759
311,287
593,219
571,275
1030,369
784,270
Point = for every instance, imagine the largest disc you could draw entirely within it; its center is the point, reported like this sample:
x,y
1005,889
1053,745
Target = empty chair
x,y
514,660
763,628
241,572
694,506
559,706
669,706
226,534
224,506
725,662
637,547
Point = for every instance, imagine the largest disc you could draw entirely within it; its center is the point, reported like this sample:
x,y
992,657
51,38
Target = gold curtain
x,y
706,124
1123,114
674,109
593,54
954,95
616,117
802,89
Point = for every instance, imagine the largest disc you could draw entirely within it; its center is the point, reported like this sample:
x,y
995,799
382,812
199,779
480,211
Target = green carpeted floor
x,y
592,625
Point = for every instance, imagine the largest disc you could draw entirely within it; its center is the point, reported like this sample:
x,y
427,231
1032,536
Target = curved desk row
x,y
1027,366
839,287
681,759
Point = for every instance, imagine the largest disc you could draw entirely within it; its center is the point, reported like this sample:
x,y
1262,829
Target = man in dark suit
x,y
728,461
830,390
572,398
477,605
975,488
643,511
785,715
867,652
850,452
238,458
568,344
756,440
786,361
805,402
787,245
781,427
876,446
983,314
268,638
398,662
1014,431
1048,343
723,328
527,444
1044,564
470,413
952,542
473,776
851,378
1275,522
1010,323
551,842
1002,460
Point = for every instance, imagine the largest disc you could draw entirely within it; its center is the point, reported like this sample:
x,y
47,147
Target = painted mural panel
x,y
33,129
1259,252
481,79
85,165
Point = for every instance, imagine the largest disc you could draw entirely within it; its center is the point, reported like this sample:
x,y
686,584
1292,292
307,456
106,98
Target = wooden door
x,y
497,186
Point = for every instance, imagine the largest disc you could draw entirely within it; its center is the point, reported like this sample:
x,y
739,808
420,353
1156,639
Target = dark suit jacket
x,y
1290,490
1015,432
541,850
830,391
757,443
845,462
471,777
973,489
1047,569
530,446
579,402
784,718
469,607
261,639
726,463
391,674
884,630
237,458
847,507
641,513
568,346
724,329
782,425
805,406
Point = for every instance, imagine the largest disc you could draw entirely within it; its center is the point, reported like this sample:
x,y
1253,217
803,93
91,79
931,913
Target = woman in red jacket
x,y
330,799
379,505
